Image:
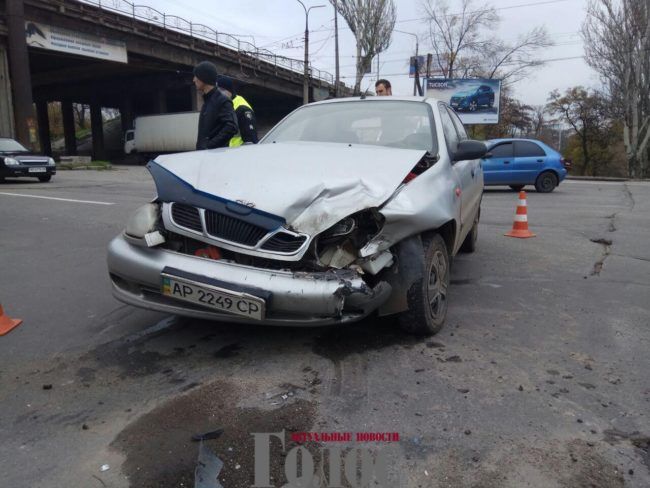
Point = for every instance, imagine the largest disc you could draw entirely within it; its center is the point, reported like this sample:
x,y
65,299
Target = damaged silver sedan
x,y
347,207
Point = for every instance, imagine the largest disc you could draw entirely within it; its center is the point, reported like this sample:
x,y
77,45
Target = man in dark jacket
x,y
244,112
217,122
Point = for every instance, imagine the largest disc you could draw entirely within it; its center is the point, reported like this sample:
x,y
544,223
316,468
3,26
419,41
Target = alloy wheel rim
x,y
437,286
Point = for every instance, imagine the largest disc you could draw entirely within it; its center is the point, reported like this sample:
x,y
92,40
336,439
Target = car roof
x,y
513,139
391,98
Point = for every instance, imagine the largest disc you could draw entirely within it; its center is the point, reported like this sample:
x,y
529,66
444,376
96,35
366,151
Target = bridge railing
x,y
200,31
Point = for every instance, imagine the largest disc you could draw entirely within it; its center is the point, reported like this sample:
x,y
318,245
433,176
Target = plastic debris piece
x,y
206,436
105,467
207,470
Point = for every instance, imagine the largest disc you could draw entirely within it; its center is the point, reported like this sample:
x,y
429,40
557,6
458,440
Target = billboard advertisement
x,y
72,42
476,101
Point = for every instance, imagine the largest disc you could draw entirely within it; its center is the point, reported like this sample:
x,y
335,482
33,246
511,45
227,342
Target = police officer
x,y
243,110
217,122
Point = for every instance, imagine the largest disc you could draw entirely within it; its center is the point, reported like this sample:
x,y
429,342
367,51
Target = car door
x,y
497,168
465,171
529,161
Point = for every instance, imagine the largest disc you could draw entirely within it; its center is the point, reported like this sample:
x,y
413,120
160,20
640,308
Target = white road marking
x,y
55,198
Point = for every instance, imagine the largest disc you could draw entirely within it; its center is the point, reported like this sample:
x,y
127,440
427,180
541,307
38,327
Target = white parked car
x,y
347,207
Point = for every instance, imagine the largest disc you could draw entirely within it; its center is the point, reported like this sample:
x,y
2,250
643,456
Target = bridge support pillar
x,y
161,101
21,80
43,127
97,128
68,128
197,98
6,105
126,114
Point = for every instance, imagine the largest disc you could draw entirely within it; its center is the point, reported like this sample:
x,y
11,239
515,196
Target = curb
x,y
83,167
599,178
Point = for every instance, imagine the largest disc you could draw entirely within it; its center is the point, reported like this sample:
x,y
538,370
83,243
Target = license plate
x,y
37,170
213,297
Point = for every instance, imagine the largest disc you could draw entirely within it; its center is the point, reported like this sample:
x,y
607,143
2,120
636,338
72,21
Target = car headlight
x,y
11,162
50,162
143,220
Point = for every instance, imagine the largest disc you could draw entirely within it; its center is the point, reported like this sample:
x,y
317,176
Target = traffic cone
x,y
7,324
520,225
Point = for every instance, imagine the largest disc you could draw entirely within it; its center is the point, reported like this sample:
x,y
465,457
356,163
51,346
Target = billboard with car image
x,y
476,101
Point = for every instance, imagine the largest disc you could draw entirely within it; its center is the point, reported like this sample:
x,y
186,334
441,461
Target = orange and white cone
x,y
7,324
520,225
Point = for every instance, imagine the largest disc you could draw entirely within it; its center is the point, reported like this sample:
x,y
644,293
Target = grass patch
x,y
96,165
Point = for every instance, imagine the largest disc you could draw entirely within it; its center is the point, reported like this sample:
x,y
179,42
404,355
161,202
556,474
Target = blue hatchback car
x,y
521,162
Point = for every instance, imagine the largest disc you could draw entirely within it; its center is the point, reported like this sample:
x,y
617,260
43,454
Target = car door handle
x,y
506,162
540,160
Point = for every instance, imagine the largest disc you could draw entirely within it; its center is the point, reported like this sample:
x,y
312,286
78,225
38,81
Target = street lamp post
x,y
305,83
417,68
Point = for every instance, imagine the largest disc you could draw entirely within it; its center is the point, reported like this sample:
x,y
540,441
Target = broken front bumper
x,y
297,298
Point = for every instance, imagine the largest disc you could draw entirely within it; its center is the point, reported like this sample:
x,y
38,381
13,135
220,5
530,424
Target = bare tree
x,y
372,23
617,45
452,35
463,47
80,114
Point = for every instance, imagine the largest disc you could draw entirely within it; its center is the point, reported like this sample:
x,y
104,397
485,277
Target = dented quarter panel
x,y
310,185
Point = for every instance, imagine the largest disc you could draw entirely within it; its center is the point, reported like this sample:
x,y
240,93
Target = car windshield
x,y
401,124
9,145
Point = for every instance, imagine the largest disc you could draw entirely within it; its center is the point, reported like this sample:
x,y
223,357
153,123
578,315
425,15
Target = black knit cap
x,y
206,72
225,82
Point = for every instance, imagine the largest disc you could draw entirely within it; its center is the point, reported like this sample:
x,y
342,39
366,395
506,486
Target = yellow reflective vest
x,y
237,102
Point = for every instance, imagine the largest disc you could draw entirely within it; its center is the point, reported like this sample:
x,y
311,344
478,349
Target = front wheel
x,y
427,297
44,179
473,106
546,182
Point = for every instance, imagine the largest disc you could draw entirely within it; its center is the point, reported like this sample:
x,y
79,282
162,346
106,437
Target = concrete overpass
x,y
132,58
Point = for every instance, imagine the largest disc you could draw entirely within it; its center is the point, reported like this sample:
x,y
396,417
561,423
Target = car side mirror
x,y
469,149
487,155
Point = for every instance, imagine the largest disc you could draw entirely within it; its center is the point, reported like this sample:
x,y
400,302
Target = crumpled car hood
x,y
309,185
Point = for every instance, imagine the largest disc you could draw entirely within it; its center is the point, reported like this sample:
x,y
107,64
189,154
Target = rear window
x,y
502,150
525,149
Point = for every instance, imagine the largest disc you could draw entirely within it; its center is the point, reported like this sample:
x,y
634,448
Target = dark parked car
x,y
470,100
16,160
520,162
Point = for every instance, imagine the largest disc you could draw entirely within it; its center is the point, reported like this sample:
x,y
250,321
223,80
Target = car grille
x,y
33,162
233,229
187,216
282,242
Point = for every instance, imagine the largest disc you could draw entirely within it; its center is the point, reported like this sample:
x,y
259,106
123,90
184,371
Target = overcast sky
x,y
278,25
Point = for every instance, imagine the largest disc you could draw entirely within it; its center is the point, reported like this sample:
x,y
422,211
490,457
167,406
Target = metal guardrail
x,y
203,32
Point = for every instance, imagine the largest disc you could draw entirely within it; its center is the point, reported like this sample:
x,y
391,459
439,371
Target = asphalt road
x,y
539,378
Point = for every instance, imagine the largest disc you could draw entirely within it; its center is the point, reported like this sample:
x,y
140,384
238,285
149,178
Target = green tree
x,y
586,112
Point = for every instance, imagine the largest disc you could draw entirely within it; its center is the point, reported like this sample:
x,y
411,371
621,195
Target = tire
x,y
424,317
491,103
44,179
546,182
473,106
469,244
517,187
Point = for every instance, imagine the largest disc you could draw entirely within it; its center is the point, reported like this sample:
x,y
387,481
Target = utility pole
x,y
305,83
416,81
21,81
336,47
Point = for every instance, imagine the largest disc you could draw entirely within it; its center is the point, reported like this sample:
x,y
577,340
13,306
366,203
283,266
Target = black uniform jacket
x,y
217,122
